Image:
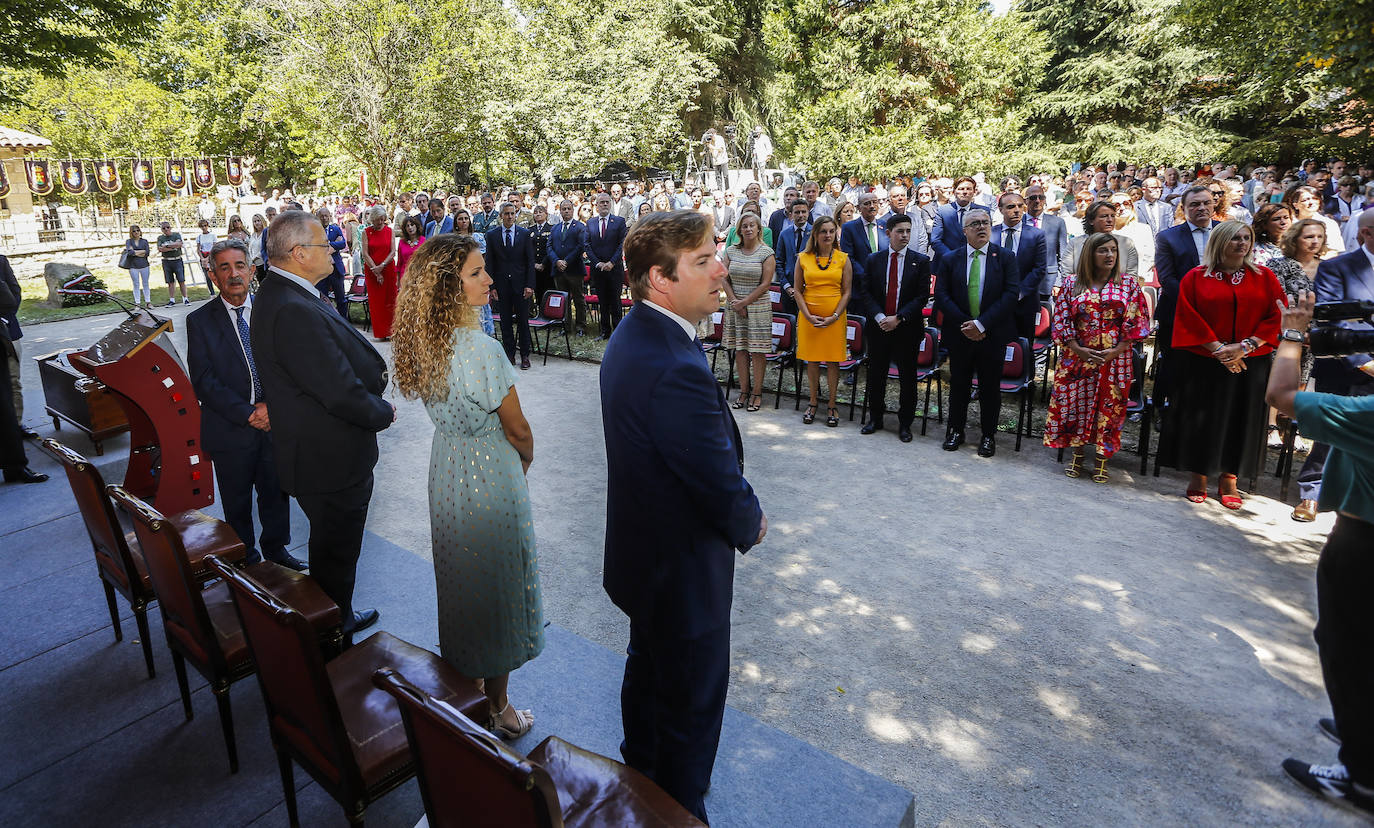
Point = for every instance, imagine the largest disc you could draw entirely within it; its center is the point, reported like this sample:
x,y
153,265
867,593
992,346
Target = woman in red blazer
x,y
1225,330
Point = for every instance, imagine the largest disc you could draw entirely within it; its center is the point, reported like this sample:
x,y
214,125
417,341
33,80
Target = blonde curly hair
x,y
430,307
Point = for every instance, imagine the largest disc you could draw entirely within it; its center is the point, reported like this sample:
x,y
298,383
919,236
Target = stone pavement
x,y
1010,645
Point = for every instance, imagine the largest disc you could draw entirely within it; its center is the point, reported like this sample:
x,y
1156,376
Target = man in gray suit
x,y
1152,210
1056,238
724,215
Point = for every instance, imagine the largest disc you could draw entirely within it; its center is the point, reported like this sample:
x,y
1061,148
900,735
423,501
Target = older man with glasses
x,y
1152,210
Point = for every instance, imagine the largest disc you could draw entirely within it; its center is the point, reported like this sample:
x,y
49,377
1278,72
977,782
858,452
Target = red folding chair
x,y
784,349
553,312
929,360
1018,377
854,338
357,295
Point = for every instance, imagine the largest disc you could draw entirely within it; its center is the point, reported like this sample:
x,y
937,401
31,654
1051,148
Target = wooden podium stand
x,y
139,365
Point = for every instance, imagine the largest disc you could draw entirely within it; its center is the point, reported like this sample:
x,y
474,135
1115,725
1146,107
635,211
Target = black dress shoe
x,y
24,475
870,427
524,363
291,562
953,441
362,619
28,434
904,434
987,447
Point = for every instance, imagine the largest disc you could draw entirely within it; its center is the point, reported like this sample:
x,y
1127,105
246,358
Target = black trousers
x,y
12,455
965,358
337,522
335,282
885,348
608,284
1165,365
672,702
240,471
1345,640
515,313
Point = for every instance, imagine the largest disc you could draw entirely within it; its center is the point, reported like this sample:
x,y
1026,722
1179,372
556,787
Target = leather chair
x,y
344,732
199,621
118,558
469,779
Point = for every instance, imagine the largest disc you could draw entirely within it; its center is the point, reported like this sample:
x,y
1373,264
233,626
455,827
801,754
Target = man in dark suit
x,y
1348,277
947,233
791,240
234,426
891,295
436,222
1028,244
325,381
1178,250
1056,238
864,235
9,348
337,281
976,288
567,241
510,263
677,507
14,461
605,243
781,216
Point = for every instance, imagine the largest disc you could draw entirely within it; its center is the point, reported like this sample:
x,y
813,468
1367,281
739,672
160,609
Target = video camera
x,y
1327,338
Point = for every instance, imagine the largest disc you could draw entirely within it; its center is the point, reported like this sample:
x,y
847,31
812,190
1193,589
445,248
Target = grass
x,y
33,310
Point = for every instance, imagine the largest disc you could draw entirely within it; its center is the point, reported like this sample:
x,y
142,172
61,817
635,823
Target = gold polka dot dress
x,y
491,617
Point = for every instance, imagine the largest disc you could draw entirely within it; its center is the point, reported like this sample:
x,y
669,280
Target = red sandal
x,y
1232,502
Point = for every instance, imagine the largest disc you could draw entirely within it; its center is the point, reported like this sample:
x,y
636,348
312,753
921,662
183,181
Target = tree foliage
x,y
51,38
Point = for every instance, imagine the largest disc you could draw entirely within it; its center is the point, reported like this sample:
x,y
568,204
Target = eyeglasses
x,y
978,223
312,245
1035,198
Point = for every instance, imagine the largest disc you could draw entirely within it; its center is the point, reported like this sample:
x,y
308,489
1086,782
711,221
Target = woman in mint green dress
x,y
491,617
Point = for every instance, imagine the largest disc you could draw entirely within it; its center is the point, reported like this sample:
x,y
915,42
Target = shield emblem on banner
x,y
176,173
107,177
143,175
204,175
74,176
39,177
233,170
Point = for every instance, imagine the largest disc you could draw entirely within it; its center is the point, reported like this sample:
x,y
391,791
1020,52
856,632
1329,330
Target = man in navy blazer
x,y
947,233
1348,277
677,506
791,240
1178,250
567,242
605,249
510,263
976,335
325,383
1056,238
891,295
235,429
336,282
1028,243
864,235
436,223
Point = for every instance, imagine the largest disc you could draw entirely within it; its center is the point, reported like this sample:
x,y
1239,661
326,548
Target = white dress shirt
x,y
900,254
982,274
232,310
1015,236
1200,239
687,328
297,279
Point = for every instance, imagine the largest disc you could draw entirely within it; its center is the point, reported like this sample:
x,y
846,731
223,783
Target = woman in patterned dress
x,y
1100,314
491,617
748,323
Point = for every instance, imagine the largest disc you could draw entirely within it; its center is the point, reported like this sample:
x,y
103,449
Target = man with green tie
x,y
863,235
976,291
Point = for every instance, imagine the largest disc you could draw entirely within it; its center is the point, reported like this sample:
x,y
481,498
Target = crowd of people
x,y
1209,262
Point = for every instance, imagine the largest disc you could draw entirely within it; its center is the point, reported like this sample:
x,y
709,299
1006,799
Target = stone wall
x,y
95,255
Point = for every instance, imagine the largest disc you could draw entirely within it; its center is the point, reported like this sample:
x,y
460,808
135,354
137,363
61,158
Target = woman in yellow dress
x,y
823,279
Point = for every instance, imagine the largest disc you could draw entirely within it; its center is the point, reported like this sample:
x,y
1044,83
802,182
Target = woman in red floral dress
x,y
1099,314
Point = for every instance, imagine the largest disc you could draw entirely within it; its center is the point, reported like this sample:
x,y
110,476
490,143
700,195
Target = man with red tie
x,y
605,242
891,293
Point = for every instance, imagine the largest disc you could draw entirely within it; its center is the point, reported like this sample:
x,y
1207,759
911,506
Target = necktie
x,y
248,352
975,282
1035,222
960,211
1011,239
891,306
509,237
601,231
872,238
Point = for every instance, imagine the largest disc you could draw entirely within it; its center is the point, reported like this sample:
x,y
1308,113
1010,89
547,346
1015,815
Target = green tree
x,y
1125,81
56,37
879,88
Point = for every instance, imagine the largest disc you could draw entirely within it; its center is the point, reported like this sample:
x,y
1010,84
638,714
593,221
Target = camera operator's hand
x,y
1299,314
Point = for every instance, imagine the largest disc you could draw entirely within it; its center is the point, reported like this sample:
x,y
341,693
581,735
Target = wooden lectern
x,y
139,365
